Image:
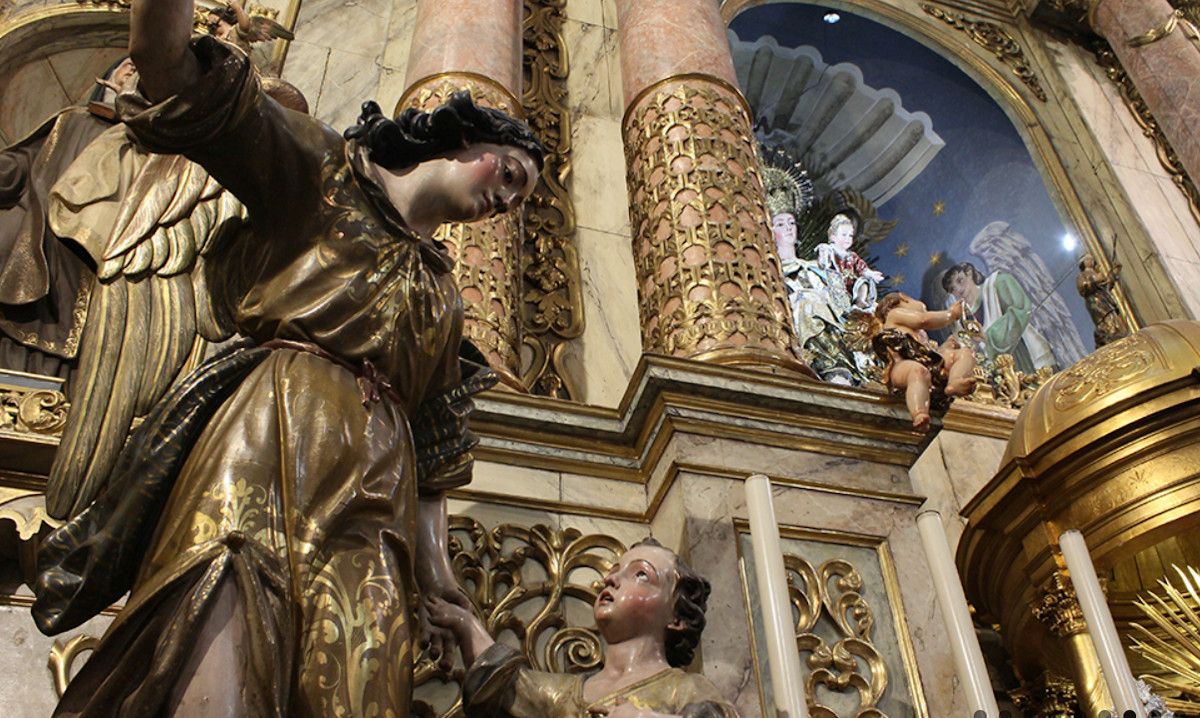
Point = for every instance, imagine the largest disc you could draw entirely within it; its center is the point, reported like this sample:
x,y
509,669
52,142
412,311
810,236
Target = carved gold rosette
x,y
709,284
486,254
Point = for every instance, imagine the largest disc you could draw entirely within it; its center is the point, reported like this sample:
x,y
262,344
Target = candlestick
x,y
1113,663
782,652
964,644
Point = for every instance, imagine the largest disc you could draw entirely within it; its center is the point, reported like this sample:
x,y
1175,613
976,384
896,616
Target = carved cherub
x,y
836,254
234,25
650,614
926,372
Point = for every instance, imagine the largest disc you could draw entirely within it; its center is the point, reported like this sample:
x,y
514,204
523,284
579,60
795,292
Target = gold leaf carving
x,y
32,411
850,662
63,657
523,581
1108,368
996,40
552,294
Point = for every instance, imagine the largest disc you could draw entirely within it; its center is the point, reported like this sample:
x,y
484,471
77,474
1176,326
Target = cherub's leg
x,y
960,380
915,379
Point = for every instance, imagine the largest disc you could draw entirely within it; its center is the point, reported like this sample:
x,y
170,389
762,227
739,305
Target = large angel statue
x,y
279,514
1014,298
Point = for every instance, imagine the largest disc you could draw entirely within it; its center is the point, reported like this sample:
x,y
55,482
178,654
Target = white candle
x,y
964,644
1103,631
782,652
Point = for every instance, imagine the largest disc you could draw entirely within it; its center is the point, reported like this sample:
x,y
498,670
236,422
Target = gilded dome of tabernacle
x,y
1113,379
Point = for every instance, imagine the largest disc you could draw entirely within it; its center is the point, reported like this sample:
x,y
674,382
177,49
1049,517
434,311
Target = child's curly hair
x,y
690,599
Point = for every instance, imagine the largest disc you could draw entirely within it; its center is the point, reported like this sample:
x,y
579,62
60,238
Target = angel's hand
x,y
436,641
957,310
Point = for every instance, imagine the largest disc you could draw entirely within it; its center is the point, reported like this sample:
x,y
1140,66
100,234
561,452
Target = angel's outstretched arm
x,y
159,31
244,24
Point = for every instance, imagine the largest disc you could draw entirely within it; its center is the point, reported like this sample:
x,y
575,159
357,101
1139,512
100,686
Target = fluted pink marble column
x,y
476,45
1166,71
709,281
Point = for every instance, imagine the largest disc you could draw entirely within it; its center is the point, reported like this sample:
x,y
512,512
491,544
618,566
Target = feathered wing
x,y
151,316
1004,249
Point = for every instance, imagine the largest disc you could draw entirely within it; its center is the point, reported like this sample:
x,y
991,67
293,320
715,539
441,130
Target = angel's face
x,y
962,286
783,226
484,180
637,595
218,27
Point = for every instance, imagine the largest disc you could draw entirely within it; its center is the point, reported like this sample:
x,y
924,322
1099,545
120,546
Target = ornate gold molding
x,y
1059,698
1108,60
996,40
486,254
709,285
552,290
63,657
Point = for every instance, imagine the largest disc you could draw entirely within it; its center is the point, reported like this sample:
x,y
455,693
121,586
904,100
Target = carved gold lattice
x,y
709,282
527,583
996,40
826,599
552,286
1167,157
1108,368
32,411
485,254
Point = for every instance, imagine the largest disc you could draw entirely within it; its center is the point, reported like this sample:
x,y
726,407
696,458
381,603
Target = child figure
x,y
915,363
650,614
837,257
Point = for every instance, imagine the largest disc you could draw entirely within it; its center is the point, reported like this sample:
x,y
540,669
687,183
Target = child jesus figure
x,y
650,614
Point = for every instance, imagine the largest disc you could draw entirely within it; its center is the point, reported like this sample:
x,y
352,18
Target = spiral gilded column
x,y
709,281
476,45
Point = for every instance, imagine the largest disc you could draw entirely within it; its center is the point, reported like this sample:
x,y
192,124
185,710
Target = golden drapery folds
x,y
486,254
709,284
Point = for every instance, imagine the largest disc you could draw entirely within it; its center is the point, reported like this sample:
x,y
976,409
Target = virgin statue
x,y
279,515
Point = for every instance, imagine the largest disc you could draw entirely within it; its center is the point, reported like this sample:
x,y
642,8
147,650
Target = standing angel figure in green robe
x,y
650,614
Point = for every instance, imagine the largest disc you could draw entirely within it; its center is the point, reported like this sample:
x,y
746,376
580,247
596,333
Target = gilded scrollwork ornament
x,y
552,290
827,600
1107,369
32,411
1058,608
527,582
996,40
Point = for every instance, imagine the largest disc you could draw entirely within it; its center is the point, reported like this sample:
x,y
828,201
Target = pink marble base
x,y
1165,72
480,36
663,38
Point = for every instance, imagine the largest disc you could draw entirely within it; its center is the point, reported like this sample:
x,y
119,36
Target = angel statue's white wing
x,y
151,313
1004,249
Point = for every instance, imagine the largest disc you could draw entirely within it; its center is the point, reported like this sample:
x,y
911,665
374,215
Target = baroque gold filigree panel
x,y
850,628
709,284
552,290
527,583
996,40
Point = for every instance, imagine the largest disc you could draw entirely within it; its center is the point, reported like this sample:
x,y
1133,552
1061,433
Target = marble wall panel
x,y
593,86
605,356
26,684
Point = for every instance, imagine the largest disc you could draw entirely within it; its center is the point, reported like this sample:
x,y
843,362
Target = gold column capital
x,y
1058,607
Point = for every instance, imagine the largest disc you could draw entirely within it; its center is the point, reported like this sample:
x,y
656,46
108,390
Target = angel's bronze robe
x,y
500,683
301,491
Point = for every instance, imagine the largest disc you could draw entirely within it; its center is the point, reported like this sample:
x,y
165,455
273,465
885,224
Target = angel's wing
x,y
1004,249
264,28
151,313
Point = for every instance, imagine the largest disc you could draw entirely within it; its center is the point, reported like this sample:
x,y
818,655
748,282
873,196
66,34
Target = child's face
x,y
842,235
636,599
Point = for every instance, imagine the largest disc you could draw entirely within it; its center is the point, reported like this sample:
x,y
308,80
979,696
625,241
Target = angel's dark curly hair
x,y
691,600
417,136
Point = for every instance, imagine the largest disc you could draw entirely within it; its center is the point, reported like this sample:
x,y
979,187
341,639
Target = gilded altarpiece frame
x,y
855,649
